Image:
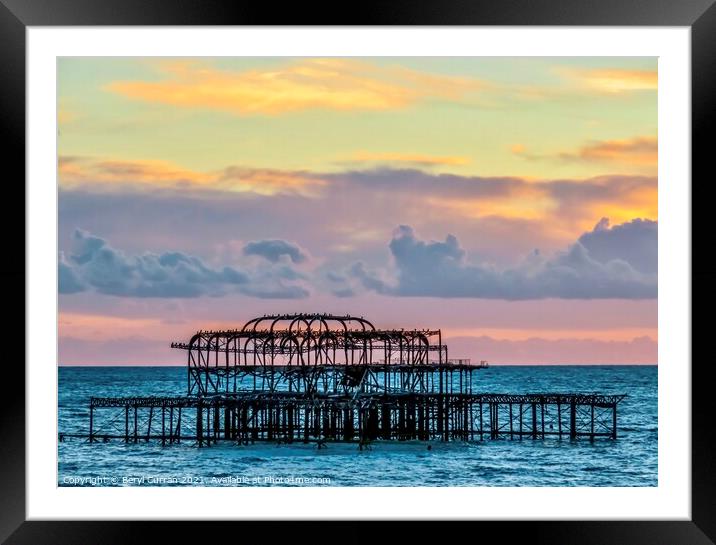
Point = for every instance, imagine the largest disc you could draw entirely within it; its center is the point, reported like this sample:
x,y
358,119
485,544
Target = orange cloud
x,y
412,158
612,80
270,182
639,151
622,202
639,202
636,151
152,172
333,84
522,201
77,171
562,208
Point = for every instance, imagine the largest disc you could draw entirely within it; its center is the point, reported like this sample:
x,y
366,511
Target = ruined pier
x,y
321,378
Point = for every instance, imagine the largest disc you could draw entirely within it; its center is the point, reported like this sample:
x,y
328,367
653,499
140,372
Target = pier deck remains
x,y
320,378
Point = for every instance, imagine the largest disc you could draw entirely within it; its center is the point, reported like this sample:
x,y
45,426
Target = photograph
x,y
357,271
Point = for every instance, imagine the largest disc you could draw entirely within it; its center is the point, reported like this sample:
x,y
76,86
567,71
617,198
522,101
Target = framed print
x,y
417,265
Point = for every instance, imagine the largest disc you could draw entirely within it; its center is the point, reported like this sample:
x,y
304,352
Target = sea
x,y
628,461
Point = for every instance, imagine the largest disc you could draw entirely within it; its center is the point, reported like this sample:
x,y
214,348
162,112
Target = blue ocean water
x,y
631,460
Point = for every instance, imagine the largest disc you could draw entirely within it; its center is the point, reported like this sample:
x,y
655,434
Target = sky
x,y
510,202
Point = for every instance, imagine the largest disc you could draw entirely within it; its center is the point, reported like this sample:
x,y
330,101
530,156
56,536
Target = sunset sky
x,y
511,202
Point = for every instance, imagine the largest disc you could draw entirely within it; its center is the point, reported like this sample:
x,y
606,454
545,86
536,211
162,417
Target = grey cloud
x,y
171,274
344,292
568,193
415,181
273,250
67,281
335,277
276,292
634,242
275,281
95,265
441,269
288,273
369,279
161,217
339,284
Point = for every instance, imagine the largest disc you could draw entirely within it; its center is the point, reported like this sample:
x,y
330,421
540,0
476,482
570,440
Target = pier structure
x,y
288,418
320,378
322,354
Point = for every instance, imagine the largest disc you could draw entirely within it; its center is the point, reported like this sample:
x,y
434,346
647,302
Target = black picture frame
x,y
17,15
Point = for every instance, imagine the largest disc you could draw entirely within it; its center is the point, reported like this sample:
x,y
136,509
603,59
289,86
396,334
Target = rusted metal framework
x,y
287,418
320,354
321,377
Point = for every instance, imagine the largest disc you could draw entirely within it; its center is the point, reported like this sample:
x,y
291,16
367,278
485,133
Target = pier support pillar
x,y
91,437
614,421
199,425
227,423
559,419
481,425
511,427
